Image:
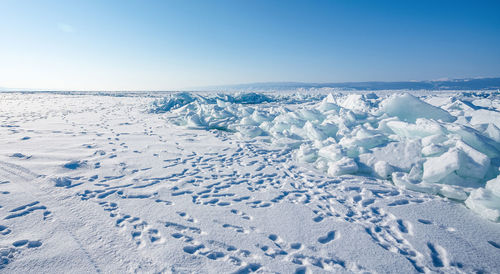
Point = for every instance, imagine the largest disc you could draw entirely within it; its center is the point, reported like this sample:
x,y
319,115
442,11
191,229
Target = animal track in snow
x,y
438,255
7,255
494,244
25,210
187,217
4,230
404,226
236,228
27,243
330,236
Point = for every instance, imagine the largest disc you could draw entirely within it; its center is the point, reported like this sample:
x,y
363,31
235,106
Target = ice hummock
x,y
409,108
443,147
486,201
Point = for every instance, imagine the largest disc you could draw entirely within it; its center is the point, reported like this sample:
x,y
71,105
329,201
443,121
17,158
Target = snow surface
x,y
286,182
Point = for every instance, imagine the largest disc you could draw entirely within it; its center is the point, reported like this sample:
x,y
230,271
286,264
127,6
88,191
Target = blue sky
x,y
163,45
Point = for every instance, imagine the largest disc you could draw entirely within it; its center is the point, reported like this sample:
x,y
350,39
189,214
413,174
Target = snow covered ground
x,y
290,183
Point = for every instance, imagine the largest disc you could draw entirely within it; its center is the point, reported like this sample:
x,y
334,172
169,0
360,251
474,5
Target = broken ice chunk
x,y
383,169
408,108
485,203
437,168
306,154
343,166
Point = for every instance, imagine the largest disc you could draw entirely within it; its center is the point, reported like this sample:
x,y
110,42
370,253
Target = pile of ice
x,y
177,100
448,146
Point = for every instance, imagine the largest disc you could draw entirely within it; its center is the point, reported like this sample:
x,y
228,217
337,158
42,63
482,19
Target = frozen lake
x,y
290,183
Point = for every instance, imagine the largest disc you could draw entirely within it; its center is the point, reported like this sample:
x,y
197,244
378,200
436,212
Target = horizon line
x,y
229,86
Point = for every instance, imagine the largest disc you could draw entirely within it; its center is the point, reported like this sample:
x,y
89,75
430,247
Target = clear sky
x,y
164,45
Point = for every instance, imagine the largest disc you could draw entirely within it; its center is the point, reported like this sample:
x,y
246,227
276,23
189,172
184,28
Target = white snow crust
x,y
289,182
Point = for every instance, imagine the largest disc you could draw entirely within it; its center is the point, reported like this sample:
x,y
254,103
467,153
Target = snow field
x,y
95,183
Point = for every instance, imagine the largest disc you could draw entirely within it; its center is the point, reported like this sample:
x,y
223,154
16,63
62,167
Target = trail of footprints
x,y
7,254
140,231
10,173
27,209
299,254
211,249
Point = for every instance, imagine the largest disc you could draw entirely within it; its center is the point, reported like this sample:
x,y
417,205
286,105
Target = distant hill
x,y
452,84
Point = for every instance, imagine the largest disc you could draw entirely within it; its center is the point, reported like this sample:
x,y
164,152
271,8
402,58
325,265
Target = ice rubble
x,y
450,148
181,99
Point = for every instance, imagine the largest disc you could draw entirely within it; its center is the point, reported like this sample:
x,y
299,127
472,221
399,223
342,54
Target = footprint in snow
x,y
27,243
330,236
